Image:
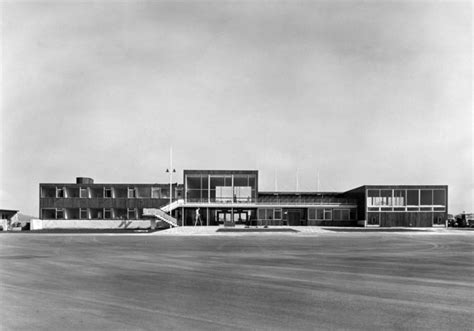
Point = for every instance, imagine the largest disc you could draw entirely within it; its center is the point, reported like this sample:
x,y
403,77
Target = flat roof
x,y
219,172
297,193
9,210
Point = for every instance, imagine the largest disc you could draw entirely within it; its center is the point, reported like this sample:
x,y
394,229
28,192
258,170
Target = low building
x,y
9,217
232,197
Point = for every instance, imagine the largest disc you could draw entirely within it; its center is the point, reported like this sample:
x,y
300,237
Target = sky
x,y
359,92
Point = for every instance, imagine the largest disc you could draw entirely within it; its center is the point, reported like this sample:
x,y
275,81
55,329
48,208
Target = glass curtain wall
x,y
220,188
406,200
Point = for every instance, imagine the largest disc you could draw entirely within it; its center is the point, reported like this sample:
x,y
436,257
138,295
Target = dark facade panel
x,y
359,195
406,219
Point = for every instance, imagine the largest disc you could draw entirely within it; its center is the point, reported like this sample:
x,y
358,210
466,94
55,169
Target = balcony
x,y
274,200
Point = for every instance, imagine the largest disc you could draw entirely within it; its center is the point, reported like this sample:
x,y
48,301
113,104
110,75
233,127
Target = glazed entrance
x,y
219,216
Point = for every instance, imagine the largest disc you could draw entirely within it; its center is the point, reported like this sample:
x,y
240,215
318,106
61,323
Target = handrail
x,y
171,206
161,215
267,201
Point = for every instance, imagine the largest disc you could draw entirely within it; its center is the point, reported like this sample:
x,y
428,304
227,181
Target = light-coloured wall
x,y
92,224
36,224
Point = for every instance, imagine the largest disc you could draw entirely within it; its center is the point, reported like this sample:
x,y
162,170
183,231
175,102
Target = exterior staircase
x,y
172,206
161,215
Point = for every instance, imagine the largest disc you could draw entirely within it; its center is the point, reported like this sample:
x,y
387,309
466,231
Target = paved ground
x,y
330,280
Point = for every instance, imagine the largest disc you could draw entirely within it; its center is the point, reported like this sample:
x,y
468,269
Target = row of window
x,y
314,214
405,209
106,192
406,197
221,194
210,182
269,214
325,214
91,213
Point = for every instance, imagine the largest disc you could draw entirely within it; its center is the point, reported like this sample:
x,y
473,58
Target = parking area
x,y
330,280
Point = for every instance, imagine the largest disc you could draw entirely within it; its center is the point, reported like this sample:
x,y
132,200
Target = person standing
x,y
198,218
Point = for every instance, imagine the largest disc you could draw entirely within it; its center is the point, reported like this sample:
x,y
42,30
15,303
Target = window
x,y
341,214
439,197
83,192
269,214
373,197
412,198
386,196
327,214
320,214
107,213
83,213
132,192
277,214
311,213
60,192
345,215
204,182
242,193
399,197
353,215
131,213
426,197
216,181
224,193
193,182
155,192
107,192
60,213
48,192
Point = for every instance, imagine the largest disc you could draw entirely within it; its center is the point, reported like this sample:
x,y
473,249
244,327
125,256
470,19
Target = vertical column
x,y
232,181
207,216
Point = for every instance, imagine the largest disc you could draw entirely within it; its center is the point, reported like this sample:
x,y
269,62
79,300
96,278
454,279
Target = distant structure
x,y
232,197
8,217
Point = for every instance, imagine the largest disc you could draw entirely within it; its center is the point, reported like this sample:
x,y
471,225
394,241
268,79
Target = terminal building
x,y
233,198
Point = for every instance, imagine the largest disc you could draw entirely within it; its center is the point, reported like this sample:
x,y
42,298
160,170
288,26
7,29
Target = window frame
x,y
134,210
105,211
82,189
108,189
132,193
81,210
62,190
60,210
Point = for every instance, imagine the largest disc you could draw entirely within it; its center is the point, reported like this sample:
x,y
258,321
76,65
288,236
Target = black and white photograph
x,y
236,165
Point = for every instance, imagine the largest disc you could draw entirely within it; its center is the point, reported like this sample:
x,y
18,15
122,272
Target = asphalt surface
x,y
365,281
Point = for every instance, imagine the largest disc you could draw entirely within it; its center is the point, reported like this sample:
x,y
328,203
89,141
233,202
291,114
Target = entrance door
x,y
373,218
294,217
240,217
224,217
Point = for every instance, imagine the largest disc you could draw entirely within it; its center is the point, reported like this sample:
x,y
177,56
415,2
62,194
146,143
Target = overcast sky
x,y
365,92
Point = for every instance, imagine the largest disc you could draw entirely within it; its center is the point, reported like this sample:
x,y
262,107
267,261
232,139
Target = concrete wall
x,y
92,224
